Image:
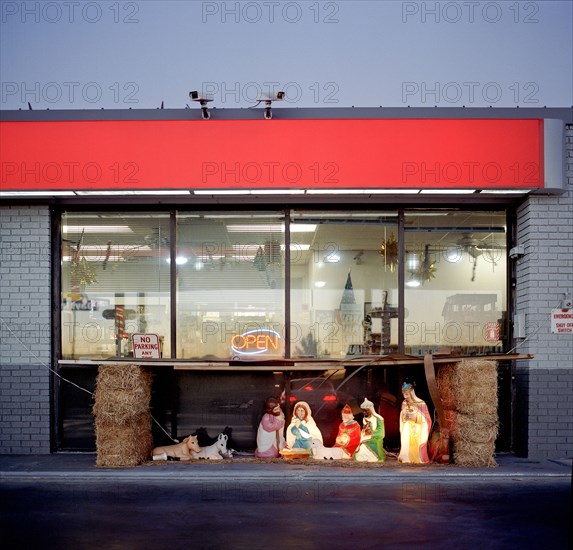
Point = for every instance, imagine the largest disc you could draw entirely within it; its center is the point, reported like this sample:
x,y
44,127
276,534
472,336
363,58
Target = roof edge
x,y
286,113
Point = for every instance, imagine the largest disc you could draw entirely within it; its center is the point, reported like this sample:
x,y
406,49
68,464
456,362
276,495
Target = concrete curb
x,y
81,468
203,477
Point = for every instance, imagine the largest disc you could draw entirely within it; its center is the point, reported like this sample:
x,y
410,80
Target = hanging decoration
x,y
426,271
389,251
82,273
107,255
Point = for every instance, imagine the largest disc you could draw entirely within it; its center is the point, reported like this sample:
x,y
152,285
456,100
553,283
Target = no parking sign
x,y
146,346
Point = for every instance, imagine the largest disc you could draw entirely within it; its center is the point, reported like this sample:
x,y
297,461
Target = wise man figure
x,y
415,424
371,447
348,437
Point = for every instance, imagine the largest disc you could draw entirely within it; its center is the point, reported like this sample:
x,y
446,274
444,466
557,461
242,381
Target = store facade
x,y
210,248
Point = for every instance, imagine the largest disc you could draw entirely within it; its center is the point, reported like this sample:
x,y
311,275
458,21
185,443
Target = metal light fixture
x,y
414,282
412,261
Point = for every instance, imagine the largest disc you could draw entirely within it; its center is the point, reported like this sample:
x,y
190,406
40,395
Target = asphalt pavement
x,y
64,501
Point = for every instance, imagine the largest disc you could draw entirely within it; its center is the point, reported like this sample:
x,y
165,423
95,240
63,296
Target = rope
x,y
45,365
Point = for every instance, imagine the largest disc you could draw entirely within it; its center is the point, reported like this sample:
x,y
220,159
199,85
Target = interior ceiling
x,y
443,229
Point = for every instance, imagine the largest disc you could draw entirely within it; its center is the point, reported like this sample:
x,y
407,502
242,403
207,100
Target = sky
x,y
98,54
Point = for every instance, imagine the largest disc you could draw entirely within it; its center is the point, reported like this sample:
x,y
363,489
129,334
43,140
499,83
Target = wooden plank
x,y
294,365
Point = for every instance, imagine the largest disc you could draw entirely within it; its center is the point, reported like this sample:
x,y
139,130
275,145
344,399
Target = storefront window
x,y
231,288
344,279
115,282
233,274
230,285
455,281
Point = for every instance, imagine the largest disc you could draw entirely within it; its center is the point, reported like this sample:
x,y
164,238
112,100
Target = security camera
x,y
202,100
276,96
268,99
517,252
195,96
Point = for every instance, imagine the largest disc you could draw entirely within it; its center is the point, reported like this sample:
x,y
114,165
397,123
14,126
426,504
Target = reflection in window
x,y
115,282
230,286
344,278
455,267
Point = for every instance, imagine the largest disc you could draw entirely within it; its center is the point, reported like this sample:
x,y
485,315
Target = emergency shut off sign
x,y
561,321
146,346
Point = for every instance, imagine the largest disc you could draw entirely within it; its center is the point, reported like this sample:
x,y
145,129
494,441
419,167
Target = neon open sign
x,y
255,342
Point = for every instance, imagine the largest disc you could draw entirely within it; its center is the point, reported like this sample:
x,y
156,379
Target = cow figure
x,y
320,452
216,451
182,451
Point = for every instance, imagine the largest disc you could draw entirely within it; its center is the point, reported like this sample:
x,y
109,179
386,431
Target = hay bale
x,y
468,390
469,386
123,445
472,428
122,418
122,392
474,455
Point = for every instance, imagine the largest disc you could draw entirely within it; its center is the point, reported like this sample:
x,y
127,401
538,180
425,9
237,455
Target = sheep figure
x,y
320,452
216,451
183,451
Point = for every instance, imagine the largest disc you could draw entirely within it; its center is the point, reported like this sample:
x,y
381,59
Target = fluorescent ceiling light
x,y
319,284
302,227
97,229
98,258
254,228
296,246
272,228
115,247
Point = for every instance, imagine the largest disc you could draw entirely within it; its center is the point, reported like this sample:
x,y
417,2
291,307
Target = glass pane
x,y
77,430
230,286
455,294
115,282
344,279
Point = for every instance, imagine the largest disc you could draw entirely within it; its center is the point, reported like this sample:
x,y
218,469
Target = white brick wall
x,y
25,309
544,277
